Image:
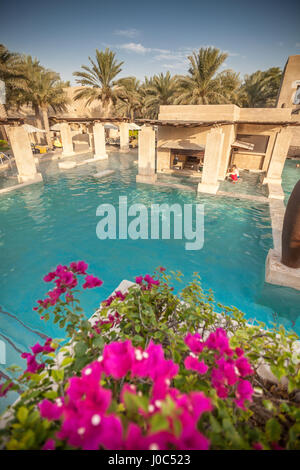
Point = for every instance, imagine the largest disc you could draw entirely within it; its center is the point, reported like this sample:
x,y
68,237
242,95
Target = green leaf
x,y
51,394
80,348
67,361
58,374
215,426
22,414
158,422
98,341
273,430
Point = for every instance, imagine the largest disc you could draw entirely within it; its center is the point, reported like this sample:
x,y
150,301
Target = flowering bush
x,y
151,370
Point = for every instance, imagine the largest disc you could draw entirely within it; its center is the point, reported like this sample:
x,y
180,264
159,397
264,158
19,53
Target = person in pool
x,y
233,174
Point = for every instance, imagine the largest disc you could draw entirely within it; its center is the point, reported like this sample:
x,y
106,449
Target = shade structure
x,y
242,145
134,127
55,127
110,126
182,145
31,129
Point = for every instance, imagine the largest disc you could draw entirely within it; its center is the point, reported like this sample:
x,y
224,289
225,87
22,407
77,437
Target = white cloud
x,y
134,47
297,44
140,49
129,33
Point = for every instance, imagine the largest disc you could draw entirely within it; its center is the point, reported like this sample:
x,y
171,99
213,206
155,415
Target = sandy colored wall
x,y
199,112
248,161
77,108
265,114
289,83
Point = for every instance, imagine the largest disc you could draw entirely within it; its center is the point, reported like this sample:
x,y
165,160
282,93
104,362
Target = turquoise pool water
x,y
54,222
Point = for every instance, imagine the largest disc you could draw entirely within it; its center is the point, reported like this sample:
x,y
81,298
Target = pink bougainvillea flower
x,y
134,438
243,392
60,270
85,424
191,362
32,365
79,267
218,340
192,439
118,358
194,342
37,348
239,352
92,281
51,411
226,367
150,281
244,366
257,446
67,279
139,279
49,445
218,382
49,277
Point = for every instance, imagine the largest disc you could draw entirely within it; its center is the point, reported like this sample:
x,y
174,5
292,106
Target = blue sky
x,y
152,36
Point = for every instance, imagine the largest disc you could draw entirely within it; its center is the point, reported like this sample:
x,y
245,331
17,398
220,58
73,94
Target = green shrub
x,y
151,317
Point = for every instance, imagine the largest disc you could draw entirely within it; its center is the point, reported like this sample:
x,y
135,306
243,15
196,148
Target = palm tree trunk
x,y
38,123
46,125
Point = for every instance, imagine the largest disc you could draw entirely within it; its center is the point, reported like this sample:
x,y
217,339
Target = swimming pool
x,y
54,222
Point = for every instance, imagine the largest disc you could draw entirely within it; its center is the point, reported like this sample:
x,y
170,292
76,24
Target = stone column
x,y
99,141
212,160
146,156
278,156
24,158
124,136
91,138
66,140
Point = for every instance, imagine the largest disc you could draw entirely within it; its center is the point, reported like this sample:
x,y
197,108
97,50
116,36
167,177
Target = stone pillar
x,y
66,140
212,160
278,156
24,158
91,138
146,156
99,141
124,136
229,138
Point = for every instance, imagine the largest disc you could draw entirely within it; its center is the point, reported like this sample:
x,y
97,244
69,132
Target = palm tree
x,y
12,78
230,85
203,85
44,90
129,103
158,90
31,68
99,81
260,89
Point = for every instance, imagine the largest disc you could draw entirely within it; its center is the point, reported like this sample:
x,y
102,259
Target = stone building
x,y
289,96
210,138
